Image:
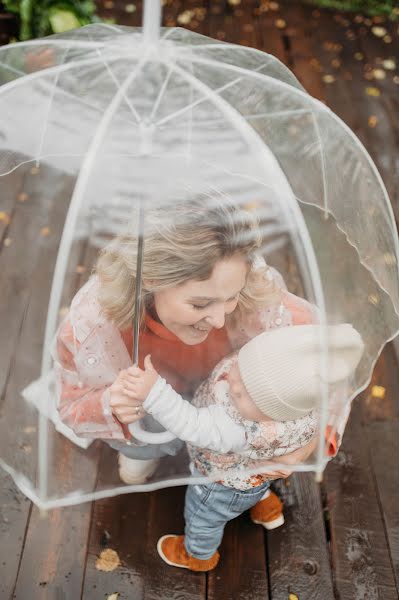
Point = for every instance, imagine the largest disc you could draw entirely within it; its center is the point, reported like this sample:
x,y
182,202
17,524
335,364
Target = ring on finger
x,y
138,409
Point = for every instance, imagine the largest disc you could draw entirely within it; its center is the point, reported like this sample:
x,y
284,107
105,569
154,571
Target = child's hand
x,y
129,391
138,383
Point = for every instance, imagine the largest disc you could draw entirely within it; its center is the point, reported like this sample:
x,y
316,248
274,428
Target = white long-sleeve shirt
x,y
207,427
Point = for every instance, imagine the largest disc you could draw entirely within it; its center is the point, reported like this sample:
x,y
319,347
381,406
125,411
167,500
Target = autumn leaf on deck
x,y
5,218
108,560
378,391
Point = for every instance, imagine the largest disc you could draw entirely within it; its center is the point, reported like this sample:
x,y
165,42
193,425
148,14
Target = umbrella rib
x,y
60,90
63,254
281,113
107,25
50,103
161,94
49,42
117,84
199,101
54,70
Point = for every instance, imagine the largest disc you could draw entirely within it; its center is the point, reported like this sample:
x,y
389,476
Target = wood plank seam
x,y
381,506
12,595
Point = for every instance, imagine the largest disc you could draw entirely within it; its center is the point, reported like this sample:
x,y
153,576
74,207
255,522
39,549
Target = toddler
x,y
253,409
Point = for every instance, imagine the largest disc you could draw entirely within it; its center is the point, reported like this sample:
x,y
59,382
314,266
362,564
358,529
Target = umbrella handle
x,y
149,437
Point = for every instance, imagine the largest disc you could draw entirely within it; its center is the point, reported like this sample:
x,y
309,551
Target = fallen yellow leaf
x,y
292,597
373,299
29,429
280,23
379,74
389,259
389,64
372,121
379,31
373,91
5,218
113,596
108,560
185,17
328,78
377,391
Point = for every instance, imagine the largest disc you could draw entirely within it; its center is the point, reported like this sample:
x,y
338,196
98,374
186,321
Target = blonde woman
x,y
205,291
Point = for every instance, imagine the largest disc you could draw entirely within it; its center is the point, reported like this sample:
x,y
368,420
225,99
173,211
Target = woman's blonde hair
x,y
182,242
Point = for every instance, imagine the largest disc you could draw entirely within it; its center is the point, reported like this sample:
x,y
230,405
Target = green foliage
x,y
369,7
44,17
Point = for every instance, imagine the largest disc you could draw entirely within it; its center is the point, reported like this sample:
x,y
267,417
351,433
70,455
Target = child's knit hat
x,y
281,369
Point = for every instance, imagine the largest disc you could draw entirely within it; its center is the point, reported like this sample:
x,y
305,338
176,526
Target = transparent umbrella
x,y
126,124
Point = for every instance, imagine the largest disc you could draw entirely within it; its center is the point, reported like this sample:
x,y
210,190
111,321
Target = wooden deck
x,y
341,538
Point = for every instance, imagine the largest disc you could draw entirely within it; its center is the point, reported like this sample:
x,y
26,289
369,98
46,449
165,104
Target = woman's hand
x,y
129,391
292,458
299,455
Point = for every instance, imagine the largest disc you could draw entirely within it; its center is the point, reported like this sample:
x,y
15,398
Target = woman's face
x,y
191,310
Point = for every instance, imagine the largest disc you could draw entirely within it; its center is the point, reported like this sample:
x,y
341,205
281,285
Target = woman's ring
x,y
137,411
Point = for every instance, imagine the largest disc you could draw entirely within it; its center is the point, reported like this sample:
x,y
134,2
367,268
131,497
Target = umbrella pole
x,y
151,21
139,285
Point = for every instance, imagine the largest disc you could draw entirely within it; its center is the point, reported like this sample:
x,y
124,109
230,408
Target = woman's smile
x,y
200,331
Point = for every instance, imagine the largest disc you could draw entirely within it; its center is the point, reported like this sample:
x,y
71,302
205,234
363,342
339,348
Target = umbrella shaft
x,y
138,298
151,20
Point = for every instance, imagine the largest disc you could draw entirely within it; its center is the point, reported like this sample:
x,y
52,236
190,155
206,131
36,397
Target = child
x,y
251,410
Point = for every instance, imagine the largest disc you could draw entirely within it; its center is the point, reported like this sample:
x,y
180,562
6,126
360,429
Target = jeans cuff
x,y
196,554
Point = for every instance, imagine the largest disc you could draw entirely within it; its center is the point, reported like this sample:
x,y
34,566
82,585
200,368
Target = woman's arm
x,y
83,408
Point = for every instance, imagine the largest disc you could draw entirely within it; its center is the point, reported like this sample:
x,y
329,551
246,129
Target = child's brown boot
x,y
172,550
268,512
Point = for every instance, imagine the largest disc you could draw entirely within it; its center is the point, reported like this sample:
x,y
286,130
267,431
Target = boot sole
x,y
131,480
127,478
271,524
162,555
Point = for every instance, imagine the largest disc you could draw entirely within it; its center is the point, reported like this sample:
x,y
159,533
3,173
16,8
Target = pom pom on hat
x,y
281,369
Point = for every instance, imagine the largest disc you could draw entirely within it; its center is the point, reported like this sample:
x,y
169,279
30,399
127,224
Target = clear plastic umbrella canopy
x,y
128,127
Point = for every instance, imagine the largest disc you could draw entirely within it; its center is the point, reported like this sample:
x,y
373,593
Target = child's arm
x,y
207,427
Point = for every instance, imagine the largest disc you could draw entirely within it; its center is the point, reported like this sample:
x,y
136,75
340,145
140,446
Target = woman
x,y
206,292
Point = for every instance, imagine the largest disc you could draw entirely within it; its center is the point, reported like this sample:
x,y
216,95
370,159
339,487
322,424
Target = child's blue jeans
x,y
207,510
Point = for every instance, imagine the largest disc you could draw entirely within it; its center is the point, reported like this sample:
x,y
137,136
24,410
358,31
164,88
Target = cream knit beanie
x,y
281,368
